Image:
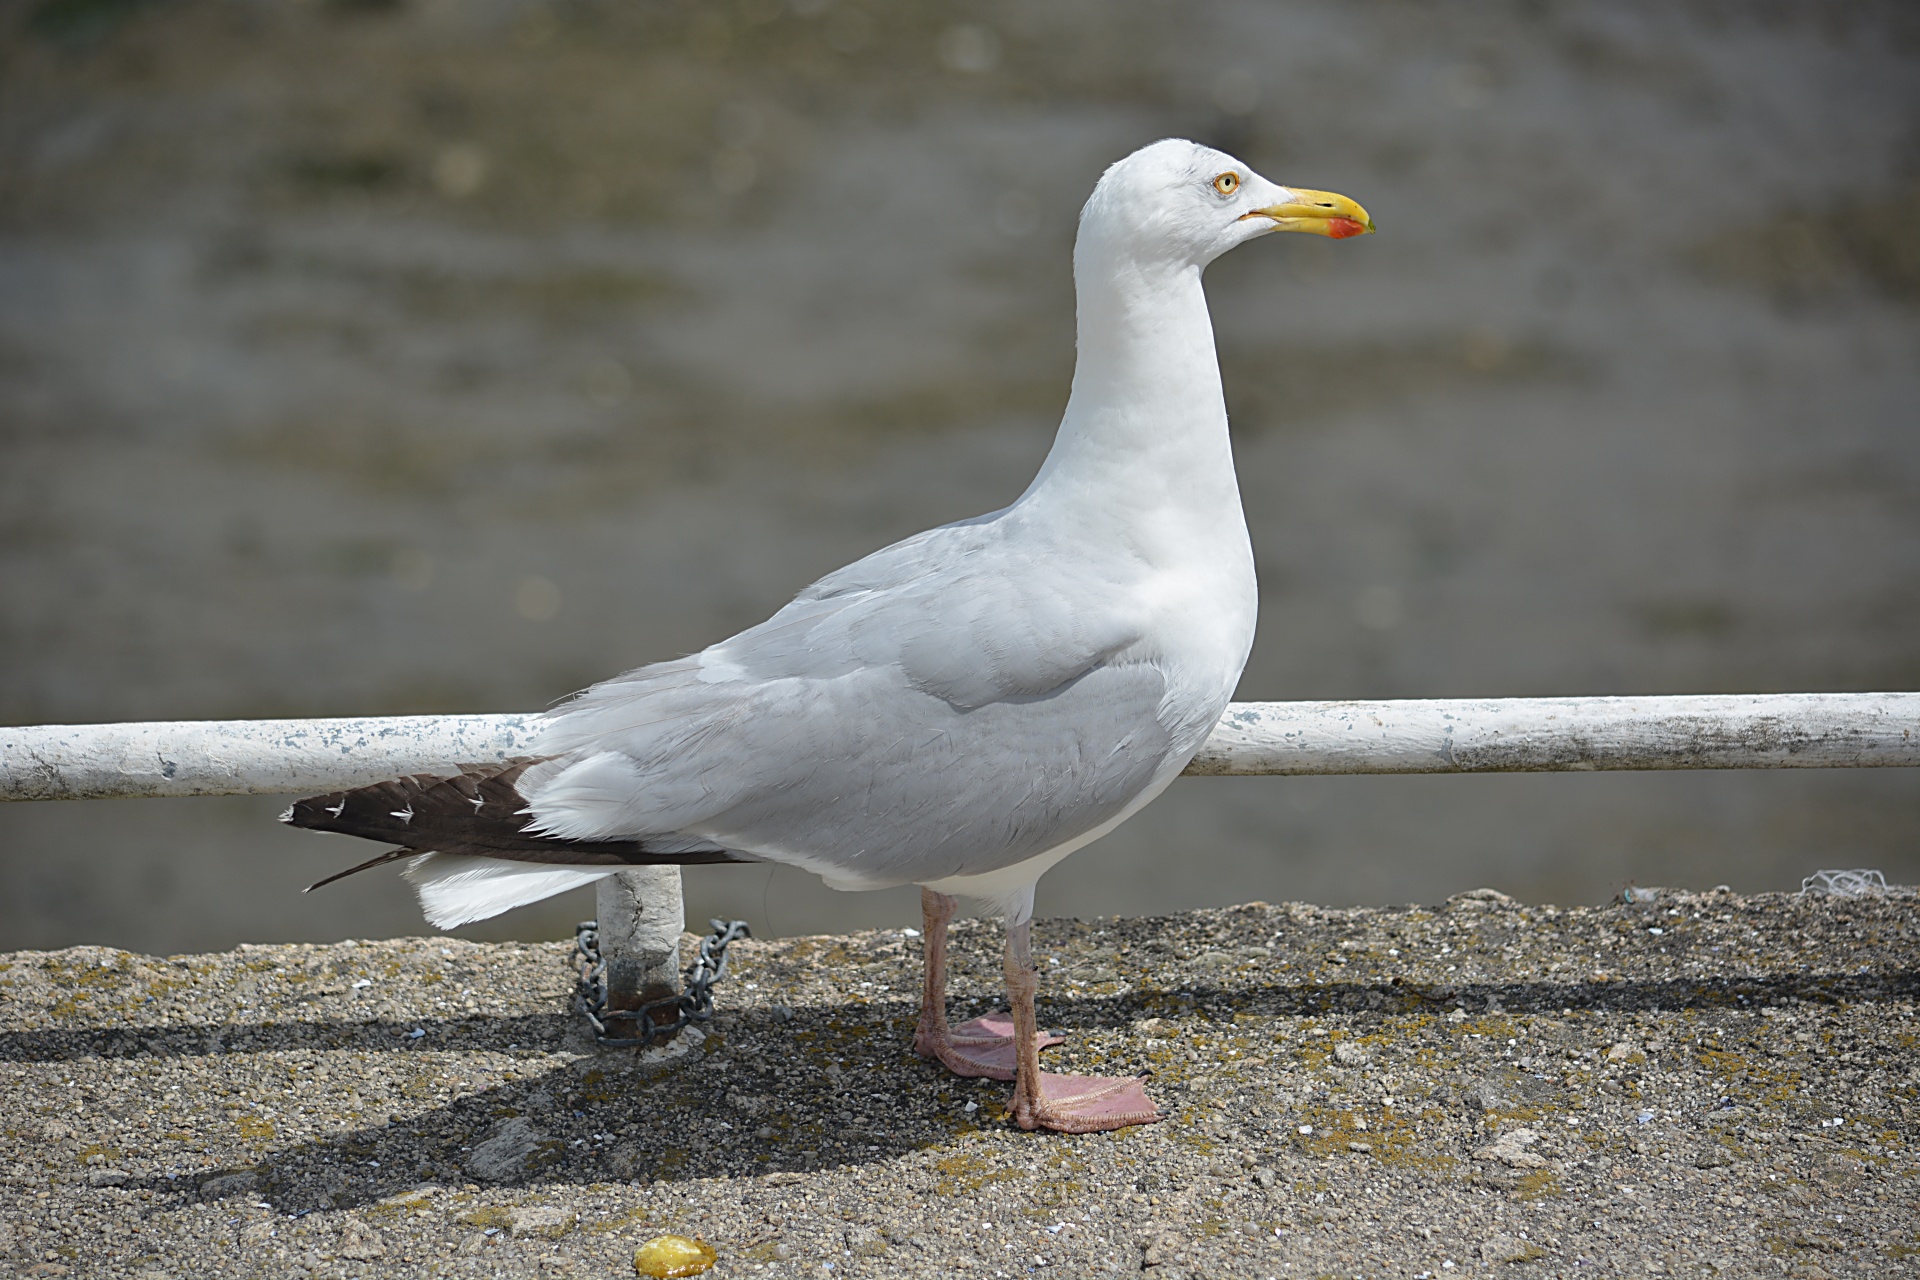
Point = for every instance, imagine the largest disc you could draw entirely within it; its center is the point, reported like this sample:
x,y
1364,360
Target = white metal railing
x,y
1439,735
640,910
245,757
1545,735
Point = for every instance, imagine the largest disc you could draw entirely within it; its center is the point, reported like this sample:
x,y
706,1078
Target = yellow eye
x,y
1227,183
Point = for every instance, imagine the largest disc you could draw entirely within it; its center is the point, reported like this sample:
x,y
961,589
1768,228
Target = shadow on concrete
x,y
834,1086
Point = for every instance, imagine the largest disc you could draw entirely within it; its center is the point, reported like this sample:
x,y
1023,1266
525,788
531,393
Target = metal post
x,y
641,916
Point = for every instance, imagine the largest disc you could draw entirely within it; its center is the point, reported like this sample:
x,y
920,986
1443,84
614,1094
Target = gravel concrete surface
x,y
1688,1085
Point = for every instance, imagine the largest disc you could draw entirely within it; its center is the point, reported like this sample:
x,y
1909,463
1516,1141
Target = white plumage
x,y
964,708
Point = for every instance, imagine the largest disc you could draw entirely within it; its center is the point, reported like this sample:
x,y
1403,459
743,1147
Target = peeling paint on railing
x,y
243,757
1540,735
1452,735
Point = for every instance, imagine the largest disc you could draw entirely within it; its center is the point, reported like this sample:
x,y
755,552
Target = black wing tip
x,y
307,812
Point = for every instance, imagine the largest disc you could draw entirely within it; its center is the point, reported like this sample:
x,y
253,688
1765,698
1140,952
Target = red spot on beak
x,y
1341,228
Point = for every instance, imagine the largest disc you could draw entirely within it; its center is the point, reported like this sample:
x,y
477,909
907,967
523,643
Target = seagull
x,y
960,710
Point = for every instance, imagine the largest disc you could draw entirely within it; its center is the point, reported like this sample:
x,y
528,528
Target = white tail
x,y
458,889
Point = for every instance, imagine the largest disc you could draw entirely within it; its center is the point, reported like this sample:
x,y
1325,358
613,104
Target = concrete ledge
x,y
1695,1084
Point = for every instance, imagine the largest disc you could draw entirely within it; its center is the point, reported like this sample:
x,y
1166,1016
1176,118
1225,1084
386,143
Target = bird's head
x,y
1181,203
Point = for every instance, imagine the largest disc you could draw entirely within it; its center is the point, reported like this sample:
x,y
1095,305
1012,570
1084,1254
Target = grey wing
x,y
937,709
884,784
972,612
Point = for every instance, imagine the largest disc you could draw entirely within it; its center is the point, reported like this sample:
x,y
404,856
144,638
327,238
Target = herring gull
x,y
960,710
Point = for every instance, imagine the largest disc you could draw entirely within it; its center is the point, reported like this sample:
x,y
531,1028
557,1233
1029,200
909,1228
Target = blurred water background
x,y
395,356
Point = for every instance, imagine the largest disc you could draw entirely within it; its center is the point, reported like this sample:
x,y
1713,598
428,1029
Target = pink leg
x,y
982,1047
1065,1104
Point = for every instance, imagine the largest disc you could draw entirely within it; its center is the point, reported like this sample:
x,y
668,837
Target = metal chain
x,y
693,1004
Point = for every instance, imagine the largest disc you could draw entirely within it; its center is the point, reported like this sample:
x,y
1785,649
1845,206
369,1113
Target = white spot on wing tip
x,y
286,814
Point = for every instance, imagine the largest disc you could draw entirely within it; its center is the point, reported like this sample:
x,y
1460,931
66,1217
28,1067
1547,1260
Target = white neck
x,y
1145,429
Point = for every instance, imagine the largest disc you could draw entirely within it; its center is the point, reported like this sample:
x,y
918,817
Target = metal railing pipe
x,y
1430,735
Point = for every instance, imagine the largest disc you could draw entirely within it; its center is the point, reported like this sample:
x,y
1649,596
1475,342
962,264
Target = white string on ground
x,y
1857,883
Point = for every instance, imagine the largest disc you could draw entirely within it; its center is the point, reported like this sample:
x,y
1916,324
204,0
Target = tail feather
x,y
473,854
456,889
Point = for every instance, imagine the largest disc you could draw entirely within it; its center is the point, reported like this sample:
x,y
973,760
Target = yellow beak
x,y
1320,213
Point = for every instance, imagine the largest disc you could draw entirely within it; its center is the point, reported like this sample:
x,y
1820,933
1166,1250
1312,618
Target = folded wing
x,y
935,709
